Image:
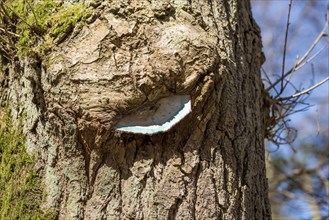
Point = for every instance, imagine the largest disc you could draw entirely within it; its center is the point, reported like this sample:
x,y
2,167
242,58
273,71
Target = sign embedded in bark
x,y
159,118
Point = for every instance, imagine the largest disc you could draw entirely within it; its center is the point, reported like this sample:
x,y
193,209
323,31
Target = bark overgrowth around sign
x,y
123,56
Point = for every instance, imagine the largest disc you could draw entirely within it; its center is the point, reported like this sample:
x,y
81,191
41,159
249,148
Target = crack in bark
x,y
196,179
173,210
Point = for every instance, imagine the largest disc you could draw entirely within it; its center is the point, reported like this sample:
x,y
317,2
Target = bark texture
x,y
132,53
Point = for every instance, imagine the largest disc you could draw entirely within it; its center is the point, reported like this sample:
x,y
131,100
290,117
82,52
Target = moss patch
x,y
20,186
44,21
64,21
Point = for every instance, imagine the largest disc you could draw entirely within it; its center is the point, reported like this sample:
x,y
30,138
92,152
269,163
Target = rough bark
x,y
209,166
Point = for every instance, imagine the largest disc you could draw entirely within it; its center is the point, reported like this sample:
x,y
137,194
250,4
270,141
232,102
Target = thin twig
x,y
269,80
3,45
305,91
12,33
312,57
285,46
5,13
318,123
5,54
322,33
287,81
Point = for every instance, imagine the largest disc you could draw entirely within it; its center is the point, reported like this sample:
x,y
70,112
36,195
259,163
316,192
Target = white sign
x,y
159,118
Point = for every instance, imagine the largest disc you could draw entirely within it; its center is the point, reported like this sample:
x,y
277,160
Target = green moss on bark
x,y
20,186
40,24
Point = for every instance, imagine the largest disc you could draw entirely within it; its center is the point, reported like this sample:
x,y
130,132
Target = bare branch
x,y
322,33
269,80
285,46
305,91
312,57
287,81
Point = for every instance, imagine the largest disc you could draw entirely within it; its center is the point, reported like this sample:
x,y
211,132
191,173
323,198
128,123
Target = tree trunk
x,y
210,165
